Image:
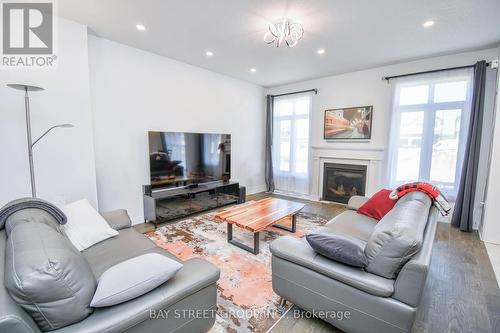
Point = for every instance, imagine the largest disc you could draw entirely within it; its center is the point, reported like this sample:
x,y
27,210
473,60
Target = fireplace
x,y
342,181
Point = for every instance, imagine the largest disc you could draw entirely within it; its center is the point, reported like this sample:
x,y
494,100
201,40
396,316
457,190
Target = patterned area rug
x,y
246,301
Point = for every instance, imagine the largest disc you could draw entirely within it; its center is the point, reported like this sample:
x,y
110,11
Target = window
x,y
291,143
428,132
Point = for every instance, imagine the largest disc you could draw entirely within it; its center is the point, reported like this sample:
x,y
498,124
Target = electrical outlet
x,y
494,64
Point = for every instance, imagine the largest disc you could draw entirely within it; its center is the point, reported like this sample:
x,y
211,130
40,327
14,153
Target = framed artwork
x,y
352,123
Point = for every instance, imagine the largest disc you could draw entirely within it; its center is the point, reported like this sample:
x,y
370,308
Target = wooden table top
x,y
258,215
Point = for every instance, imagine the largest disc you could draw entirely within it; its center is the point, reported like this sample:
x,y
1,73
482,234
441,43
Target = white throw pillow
x,y
133,278
85,227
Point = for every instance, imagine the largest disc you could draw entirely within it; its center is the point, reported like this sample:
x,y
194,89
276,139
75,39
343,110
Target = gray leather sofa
x,y
355,299
189,297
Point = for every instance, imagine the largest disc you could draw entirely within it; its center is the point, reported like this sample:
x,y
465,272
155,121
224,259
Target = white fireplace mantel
x,y
371,157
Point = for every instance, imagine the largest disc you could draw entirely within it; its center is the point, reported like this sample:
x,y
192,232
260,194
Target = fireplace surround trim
x,y
372,158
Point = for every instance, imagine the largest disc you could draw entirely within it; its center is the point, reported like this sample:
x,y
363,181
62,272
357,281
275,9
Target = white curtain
x,y
176,144
430,116
212,156
290,150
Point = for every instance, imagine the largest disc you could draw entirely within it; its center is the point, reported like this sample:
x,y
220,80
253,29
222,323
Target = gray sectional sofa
x,y
191,292
384,296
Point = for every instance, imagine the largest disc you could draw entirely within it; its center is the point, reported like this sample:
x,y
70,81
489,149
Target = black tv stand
x,y
167,204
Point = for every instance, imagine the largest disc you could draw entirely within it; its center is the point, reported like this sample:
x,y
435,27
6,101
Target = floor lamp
x,y
26,89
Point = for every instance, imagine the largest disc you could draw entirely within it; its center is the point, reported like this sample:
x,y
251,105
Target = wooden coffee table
x,y
255,216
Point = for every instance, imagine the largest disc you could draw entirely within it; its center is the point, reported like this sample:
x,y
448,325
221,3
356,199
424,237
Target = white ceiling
x,y
356,34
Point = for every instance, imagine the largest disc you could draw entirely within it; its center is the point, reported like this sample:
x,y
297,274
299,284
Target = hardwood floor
x,y
323,209
461,293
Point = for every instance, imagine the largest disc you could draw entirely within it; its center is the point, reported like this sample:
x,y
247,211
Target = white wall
x,y
367,88
64,160
490,228
134,91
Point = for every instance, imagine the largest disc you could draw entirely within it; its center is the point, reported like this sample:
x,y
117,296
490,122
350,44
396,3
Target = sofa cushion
x,y
12,317
378,205
301,253
345,249
398,235
352,224
133,278
47,276
128,244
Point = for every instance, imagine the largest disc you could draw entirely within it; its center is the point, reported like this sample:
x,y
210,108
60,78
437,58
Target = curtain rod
x,y
387,78
297,92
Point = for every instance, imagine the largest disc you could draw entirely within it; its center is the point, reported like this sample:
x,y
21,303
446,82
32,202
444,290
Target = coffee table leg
x,y
229,232
254,250
256,243
294,225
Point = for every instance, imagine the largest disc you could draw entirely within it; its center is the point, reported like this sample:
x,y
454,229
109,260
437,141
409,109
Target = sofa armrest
x,y
299,252
118,219
13,318
356,201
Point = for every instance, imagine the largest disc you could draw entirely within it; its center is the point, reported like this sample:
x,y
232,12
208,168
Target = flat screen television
x,y
183,159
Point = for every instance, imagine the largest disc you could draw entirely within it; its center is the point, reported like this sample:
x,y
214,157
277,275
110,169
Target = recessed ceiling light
x,y
209,53
428,24
140,27
253,70
321,51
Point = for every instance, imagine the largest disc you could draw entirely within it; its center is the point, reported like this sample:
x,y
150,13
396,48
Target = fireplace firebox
x,y
342,181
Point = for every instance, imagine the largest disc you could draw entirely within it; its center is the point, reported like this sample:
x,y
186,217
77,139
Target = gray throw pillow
x,y
133,278
344,249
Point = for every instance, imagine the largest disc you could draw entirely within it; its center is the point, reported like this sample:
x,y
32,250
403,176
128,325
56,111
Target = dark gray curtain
x,y
464,206
269,144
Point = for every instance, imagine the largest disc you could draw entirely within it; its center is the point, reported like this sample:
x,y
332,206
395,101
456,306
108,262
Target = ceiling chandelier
x,y
284,31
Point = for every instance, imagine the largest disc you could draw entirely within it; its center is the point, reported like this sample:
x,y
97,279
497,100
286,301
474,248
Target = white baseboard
x,y
493,251
256,189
